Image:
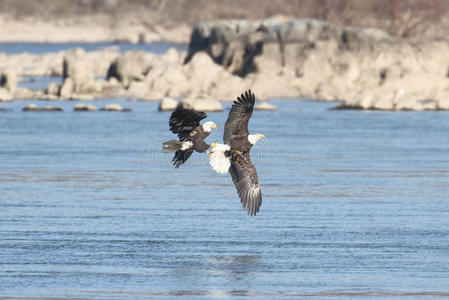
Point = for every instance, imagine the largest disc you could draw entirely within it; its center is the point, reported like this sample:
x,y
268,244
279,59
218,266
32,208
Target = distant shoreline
x,y
90,29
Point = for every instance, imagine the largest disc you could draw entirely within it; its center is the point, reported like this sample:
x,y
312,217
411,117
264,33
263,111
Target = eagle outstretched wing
x,y
183,121
237,123
244,176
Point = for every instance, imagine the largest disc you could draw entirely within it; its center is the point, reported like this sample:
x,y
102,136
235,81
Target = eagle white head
x,y
208,125
253,138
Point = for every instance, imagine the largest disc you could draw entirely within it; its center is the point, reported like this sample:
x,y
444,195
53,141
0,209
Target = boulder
x,y
83,97
174,82
8,80
115,107
199,39
66,88
265,106
161,85
52,89
47,97
203,72
138,89
53,108
80,71
408,91
5,95
228,87
268,86
129,66
25,94
168,104
84,107
33,107
151,95
201,102
172,56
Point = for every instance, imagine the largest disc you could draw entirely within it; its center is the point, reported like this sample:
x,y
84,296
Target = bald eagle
x,y
186,124
233,155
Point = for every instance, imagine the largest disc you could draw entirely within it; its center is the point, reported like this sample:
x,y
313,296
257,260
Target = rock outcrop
x,y
130,66
78,75
276,58
362,67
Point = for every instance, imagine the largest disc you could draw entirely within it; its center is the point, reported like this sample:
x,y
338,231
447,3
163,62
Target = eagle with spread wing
x,y
233,155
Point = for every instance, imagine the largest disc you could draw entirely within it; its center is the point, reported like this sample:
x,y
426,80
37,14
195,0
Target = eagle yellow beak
x,y
214,144
261,136
215,127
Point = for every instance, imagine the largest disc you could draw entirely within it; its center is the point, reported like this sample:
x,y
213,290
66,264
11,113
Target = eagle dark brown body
x,y
186,124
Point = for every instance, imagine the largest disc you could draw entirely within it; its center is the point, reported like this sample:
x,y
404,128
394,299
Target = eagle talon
x,y
240,153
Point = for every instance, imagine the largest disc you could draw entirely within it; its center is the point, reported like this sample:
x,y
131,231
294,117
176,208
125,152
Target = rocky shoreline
x,y
277,58
363,68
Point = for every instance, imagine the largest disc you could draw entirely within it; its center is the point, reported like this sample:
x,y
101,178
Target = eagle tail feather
x,y
173,145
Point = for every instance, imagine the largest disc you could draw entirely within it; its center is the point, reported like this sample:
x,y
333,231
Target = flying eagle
x,y
186,123
233,155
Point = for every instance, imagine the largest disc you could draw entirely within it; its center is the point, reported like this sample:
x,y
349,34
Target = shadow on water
x,y
234,267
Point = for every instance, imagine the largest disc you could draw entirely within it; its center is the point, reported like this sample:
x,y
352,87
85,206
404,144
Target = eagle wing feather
x,y
244,176
237,123
183,121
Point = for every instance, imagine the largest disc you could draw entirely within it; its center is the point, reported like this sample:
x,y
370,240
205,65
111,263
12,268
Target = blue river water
x,y
355,205
42,48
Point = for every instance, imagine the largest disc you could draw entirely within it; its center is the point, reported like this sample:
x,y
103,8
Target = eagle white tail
x,y
218,160
172,145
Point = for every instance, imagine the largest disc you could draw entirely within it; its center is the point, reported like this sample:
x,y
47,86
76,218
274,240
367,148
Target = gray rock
x,y
115,107
265,106
66,88
201,102
33,107
83,97
79,71
53,108
5,95
25,94
285,42
52,89
129,66
8,80
84,107
168,104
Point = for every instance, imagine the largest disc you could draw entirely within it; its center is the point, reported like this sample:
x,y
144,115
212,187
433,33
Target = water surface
x,y
355,205
43,48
